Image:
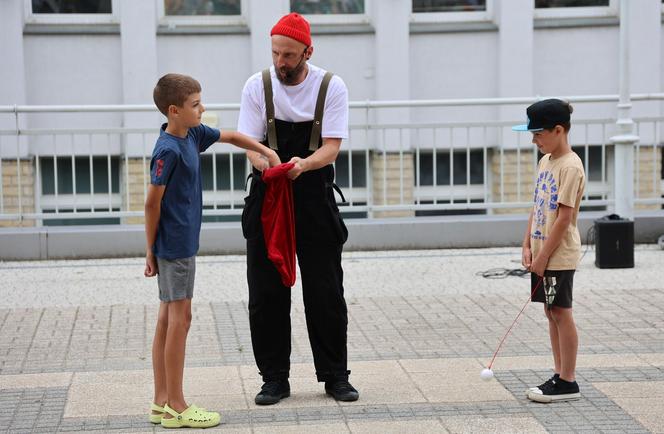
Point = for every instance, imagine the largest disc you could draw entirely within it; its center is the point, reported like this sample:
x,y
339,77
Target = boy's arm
x,y
526,253
260,162
255,150
152,214
563,220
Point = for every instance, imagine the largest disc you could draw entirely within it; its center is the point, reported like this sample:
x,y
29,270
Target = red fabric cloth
x,y
278,219
295,27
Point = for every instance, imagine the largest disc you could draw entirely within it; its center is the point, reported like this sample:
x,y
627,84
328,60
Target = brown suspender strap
x,y
269,110
318,114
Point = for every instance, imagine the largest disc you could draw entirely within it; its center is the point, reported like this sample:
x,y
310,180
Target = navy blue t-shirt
x,y
176,164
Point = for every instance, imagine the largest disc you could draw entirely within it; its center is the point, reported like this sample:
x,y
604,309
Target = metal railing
x,y
399,158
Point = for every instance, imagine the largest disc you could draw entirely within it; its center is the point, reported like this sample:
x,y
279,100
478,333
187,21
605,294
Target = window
x,y
65,178
436,187
443,212
575,8
71,11
71,7
569,3
311,7
595,188
223,171
448,5
82,221
75,192
459,164
451,11
354,163
359,166
223,196
196,13
594,164
202,7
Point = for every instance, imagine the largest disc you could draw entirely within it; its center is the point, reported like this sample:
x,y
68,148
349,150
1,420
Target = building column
x,y
391,19
17,165
515,79
263,15
515,45
644,30
138,37
11,45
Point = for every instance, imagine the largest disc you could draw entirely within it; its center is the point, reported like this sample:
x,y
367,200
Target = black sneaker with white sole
x,y
551,380
560,390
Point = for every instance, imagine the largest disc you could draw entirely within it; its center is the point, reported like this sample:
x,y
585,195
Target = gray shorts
x,y
176,278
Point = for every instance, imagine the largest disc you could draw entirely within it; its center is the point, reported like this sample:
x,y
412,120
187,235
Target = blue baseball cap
x,y
545,114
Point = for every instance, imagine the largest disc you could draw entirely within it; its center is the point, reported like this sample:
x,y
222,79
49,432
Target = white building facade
x,y
402,159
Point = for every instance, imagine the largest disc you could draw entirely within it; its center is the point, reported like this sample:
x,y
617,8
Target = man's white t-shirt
x,y
294,104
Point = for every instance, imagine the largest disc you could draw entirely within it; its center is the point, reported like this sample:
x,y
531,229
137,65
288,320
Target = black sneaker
x,y
560,390
341,390
273,392
551,380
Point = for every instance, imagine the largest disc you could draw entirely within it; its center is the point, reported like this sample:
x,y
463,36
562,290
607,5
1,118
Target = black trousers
x,y
320,234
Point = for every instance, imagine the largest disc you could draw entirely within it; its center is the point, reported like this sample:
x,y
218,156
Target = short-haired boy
x,y
173,214
552,244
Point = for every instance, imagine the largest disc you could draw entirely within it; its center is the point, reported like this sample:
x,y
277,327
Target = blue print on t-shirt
x,y
546,196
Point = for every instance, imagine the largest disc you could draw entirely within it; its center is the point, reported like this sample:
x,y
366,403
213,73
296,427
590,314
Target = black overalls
x,y
320,234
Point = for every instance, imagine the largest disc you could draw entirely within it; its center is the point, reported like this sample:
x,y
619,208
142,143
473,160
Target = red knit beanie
x,y
295,27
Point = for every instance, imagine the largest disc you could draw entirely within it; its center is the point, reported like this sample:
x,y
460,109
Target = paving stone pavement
x,y
75,341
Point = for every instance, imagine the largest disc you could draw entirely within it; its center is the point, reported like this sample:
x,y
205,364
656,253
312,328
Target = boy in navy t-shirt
x,y
173,213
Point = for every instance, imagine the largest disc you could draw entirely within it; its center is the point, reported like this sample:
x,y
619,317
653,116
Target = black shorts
x,y
558,287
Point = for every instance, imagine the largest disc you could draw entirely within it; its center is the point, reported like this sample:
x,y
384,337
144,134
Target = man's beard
x,y
288,76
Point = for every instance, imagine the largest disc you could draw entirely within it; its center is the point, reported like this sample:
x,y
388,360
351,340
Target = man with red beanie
x,y
300,111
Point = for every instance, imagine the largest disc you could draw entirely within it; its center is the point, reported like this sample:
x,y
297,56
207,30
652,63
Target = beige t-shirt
x,y
559,181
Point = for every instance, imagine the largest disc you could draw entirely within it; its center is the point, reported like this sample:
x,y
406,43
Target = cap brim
x,y
524,127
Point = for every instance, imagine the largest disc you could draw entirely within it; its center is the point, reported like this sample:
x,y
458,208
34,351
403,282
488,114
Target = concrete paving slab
x,y
25,381
453,380
318,428
396,427
653,359
486,425
225,430
644,402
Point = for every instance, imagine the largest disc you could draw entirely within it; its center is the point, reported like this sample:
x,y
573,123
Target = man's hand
x,y
300,166
539,265
526,257
151,268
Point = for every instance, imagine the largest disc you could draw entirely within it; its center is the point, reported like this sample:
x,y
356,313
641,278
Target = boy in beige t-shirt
x,y
552,245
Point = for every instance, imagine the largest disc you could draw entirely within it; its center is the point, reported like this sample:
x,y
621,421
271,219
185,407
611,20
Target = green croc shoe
x,y
192,417
156,418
